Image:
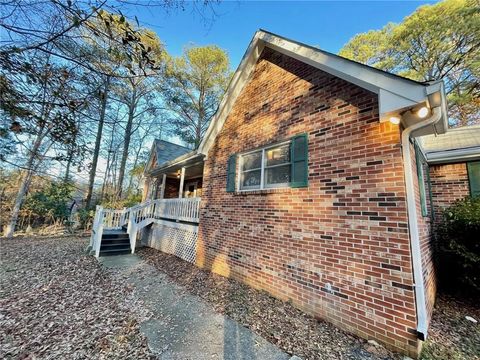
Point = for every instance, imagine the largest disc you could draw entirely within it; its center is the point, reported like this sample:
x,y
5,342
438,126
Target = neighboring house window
x,y
275,166
473,169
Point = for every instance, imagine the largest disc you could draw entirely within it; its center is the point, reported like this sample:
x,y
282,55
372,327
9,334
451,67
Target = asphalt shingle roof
x,y
457,138
167,151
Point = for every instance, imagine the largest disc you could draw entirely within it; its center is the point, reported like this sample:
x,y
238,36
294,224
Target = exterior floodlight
x,y
395,120
422,112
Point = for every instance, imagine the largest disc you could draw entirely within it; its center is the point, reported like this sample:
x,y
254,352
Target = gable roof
x,y
167,151
459,144
395,93
163,152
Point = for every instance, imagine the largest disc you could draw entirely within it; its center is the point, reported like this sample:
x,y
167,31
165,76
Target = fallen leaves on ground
x,y
56,302
279,322
451,335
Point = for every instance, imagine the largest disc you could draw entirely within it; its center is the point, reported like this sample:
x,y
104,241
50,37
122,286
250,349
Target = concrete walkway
x,y
184,326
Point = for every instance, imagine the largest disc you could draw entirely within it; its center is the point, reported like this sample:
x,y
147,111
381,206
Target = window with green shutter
x,y
284,164
473,169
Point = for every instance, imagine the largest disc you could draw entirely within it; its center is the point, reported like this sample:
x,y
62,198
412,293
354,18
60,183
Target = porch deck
x,y
111,222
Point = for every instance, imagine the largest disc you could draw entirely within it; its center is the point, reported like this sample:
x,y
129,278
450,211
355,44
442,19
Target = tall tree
x,y
193,88
138,93
440,41
42,119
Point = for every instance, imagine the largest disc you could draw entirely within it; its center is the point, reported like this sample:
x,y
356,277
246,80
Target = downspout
x,y
413,223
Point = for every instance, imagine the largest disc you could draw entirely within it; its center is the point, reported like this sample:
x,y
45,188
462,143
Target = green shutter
x,y
419,159
430,195
473,169
231,170
299,158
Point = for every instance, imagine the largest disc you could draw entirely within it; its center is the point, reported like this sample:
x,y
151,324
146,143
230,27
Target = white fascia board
x,y
353,72
397,91
147,169
176,163
450,156
234,89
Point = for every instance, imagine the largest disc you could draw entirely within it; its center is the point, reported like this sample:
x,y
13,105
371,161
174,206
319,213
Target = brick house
x,y
453,167
314,183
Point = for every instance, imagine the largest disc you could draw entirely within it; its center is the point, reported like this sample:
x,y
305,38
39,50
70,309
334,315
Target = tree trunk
x,y
23,188
108,166
128,136
67,170
93,170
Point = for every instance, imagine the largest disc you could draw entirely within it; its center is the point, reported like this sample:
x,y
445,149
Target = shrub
x,y
86,218
50,205
458,246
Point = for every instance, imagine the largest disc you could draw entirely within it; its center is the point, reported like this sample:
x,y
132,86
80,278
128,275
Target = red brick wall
x,y
449,184
347,229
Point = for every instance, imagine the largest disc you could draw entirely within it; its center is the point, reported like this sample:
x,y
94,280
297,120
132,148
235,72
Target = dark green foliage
x,y
86,217
50,205
458,245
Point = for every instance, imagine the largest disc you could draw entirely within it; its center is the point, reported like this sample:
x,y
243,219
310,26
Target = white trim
x,y
176,225
449,156
396,94
149,166
182,179
164,184
415,246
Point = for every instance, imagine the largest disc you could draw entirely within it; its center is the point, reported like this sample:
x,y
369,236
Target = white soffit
x,y
395,93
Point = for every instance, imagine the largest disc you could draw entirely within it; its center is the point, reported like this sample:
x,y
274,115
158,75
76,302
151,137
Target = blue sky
x,y
327,24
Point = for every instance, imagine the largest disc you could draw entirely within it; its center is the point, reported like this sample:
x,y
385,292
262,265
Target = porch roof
x,y
458,144
167,151
189,159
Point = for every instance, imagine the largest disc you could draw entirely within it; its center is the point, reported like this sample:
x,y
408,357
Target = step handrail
x,y
141,215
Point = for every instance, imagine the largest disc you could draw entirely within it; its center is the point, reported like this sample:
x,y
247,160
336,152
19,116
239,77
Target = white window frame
x,y
263,186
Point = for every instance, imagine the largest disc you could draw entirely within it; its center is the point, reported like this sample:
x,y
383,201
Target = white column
x,y
182,178
164,183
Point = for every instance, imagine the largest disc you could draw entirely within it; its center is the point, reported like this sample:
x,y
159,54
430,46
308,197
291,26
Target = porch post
x,y
162,188
182,178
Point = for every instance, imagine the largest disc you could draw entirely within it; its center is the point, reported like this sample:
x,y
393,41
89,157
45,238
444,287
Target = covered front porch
x,y
182,178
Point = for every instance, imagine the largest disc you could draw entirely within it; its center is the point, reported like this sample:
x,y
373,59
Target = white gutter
x,y
421,304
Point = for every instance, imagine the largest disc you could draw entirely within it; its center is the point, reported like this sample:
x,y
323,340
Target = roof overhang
x,y
189,159
149,163
452,156
395,94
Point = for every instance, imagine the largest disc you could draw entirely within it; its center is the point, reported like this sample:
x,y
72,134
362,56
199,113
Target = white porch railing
x,y
141,215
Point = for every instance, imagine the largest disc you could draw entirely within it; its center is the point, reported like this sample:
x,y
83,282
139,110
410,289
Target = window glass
x,y
278,155
251,179
277,175
252,161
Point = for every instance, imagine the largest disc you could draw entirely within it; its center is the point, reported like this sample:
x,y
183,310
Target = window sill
x,y
263,191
